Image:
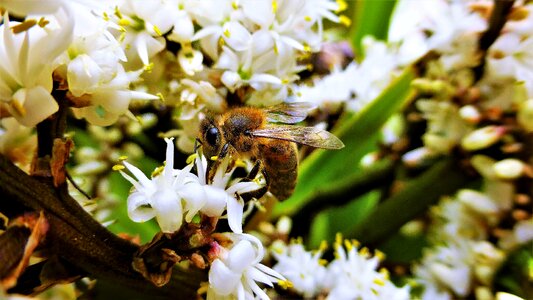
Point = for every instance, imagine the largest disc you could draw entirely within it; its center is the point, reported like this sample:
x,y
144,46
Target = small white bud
x,y
509,168
477,201
482,138
470,114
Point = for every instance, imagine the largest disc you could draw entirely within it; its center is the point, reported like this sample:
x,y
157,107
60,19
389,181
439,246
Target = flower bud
x,y
509,168
470,114
482,138
477,201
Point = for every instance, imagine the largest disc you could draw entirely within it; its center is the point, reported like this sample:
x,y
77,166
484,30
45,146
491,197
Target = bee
x,y
258,135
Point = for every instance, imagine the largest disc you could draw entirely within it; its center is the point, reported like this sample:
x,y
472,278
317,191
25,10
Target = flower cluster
x,y
353,274
174,195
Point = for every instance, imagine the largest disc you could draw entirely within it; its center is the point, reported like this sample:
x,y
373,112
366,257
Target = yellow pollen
x,y
213,158
191,158
122,158
118,167
124,22
23,26
157,30
308,18
227,33
161,97
380,255
149,67
344,20
379,282
158,170
274,6
234,5
18,108
364,252
348,245
338,238
118,13
307,48
285,284
342,6
43,22
323,246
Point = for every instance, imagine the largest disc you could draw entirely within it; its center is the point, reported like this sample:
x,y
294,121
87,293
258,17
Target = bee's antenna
x,y
197,143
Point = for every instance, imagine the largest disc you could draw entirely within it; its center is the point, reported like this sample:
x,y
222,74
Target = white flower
x,y
221,194
305,270
354,275
242,68
143,23
26,66
237,271
162,196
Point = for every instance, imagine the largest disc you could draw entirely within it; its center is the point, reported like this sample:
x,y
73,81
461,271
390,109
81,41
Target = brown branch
x,y
498,18
81,241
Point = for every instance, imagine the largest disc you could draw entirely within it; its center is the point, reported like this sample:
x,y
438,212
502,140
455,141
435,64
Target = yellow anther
x,y
234,5
344,20
221,42
117,12
342,6
149,67
161,96
274,6
191,158
158,170
105,16
285,284
380,255
322,262
364,252
323,246
213,158
308,18
17,106
227,33
348,245
124,22
23,26
285,81
379,282
122,158
307,48
338,239
118,167
43,22
157,30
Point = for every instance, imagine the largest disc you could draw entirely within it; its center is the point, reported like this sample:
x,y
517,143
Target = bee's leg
x,y
223,151
258,167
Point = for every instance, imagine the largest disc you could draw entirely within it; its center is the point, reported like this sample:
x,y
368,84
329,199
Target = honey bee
x,y
254,134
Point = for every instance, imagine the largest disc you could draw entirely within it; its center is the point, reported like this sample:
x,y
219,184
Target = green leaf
x,y
340,219
443,178
360,133
371,17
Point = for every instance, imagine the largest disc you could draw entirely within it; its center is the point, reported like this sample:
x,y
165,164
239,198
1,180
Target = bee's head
x,y
210,137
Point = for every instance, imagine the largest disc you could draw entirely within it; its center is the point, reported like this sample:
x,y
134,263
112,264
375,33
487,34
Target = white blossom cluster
x,y
353,274
461,260
174,196
114,51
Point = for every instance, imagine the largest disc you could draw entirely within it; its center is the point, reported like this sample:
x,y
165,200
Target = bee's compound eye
x,y
212,136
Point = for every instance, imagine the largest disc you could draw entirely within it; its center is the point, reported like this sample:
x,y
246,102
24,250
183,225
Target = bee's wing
x,y
309,136
288,113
